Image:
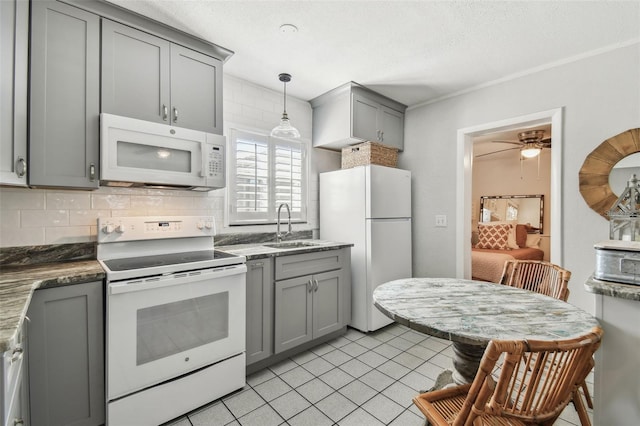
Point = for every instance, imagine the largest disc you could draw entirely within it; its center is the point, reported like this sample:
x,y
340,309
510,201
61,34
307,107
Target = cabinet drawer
x,y
308,263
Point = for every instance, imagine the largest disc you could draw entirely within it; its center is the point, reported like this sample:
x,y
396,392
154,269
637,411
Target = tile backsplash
x,y
54,216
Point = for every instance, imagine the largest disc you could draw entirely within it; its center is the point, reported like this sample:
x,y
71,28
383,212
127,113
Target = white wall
x,y
52,216
600,95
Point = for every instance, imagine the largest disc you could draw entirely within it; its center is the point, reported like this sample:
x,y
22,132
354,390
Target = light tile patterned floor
x,y
358,379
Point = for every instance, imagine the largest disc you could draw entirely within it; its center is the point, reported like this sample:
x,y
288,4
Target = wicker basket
x,y
369,153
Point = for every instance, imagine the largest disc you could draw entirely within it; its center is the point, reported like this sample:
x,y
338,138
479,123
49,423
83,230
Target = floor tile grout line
x,y
354,337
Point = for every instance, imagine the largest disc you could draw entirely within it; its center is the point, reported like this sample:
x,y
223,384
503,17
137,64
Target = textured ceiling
x,y
412,51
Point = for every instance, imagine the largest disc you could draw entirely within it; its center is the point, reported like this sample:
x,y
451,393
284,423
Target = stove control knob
x,y
120,229
208,225
200,224
107,229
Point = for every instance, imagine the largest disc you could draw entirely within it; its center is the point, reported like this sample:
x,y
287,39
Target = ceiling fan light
x,y
285,129
530,152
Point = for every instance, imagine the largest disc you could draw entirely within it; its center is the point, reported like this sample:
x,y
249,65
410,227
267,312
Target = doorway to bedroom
x,y
491,163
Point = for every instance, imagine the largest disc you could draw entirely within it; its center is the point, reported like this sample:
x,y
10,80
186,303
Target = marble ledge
x,y
17,284
613,289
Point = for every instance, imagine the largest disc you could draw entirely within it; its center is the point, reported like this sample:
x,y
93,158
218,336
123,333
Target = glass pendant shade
x,y
285,129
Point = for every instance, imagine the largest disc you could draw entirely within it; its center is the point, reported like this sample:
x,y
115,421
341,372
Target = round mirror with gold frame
x,y
594,174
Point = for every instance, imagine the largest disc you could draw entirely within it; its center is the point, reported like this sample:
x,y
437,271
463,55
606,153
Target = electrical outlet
x,y
441,221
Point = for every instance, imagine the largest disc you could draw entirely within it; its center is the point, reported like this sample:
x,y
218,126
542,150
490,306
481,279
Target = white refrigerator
x,y
369,206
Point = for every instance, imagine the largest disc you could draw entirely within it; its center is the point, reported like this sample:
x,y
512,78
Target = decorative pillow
x,y
521,236
533,240
493,236
511,238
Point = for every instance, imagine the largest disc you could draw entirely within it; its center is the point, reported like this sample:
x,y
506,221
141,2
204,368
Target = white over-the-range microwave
x,y
138,153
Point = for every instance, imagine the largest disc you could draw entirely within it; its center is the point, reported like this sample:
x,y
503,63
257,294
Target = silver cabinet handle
x,y
315,285
21,167
378,134
17,422
16,354
381,135
165,112
175,114
310,286
92,172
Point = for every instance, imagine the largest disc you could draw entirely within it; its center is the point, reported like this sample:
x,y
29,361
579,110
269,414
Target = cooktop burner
x,y
142,262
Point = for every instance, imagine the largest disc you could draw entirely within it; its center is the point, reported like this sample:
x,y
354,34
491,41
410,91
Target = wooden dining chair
x,y
550,280
537,275
518,382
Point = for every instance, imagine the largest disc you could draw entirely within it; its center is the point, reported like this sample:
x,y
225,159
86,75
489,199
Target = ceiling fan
x,y
529,142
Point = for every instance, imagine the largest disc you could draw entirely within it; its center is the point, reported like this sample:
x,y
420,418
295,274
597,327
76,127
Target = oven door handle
x,y
174,279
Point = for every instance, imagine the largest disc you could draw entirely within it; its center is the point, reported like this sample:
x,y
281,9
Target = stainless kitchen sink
x,y
292,244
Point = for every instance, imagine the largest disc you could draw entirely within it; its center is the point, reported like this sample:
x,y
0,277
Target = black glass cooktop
x,y
131,263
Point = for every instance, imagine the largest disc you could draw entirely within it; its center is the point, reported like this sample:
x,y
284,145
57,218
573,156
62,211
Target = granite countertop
x,y
260,250
17,284
19,281
613,289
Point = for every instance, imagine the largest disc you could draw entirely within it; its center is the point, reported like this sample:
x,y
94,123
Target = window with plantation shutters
x,y
265,172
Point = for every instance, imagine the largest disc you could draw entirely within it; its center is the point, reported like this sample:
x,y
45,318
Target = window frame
x,y
234,218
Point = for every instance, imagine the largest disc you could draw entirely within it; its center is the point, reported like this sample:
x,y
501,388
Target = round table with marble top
x,y
471,313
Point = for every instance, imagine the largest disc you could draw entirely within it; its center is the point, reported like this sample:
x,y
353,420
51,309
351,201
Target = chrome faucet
x,y
278,234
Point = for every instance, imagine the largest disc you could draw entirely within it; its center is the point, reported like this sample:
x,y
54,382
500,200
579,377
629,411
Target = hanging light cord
x,y
284,111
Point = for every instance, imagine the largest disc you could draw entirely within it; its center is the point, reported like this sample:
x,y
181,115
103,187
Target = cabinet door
x,y
392,127
135,73
66,355
14,48
293,319
364,114
259,310
64,105
328,299
196,90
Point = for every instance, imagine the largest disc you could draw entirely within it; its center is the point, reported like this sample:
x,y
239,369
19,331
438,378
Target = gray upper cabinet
x,y
147,77
196,90
135,73
66,355
259,343
352,113
64,96
14,47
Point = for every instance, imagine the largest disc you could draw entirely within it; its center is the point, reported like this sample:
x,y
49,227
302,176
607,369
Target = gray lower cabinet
x,y
14,48
64,96
66,355
150,78
310,306
259,338
13,390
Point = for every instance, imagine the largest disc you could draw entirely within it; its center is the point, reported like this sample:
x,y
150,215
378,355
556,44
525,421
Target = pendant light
x,y
285,129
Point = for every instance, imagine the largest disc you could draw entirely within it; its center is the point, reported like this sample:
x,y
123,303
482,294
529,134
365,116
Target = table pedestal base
x,y
466,360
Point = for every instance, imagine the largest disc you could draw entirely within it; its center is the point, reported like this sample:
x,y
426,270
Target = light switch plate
x,y
441,221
